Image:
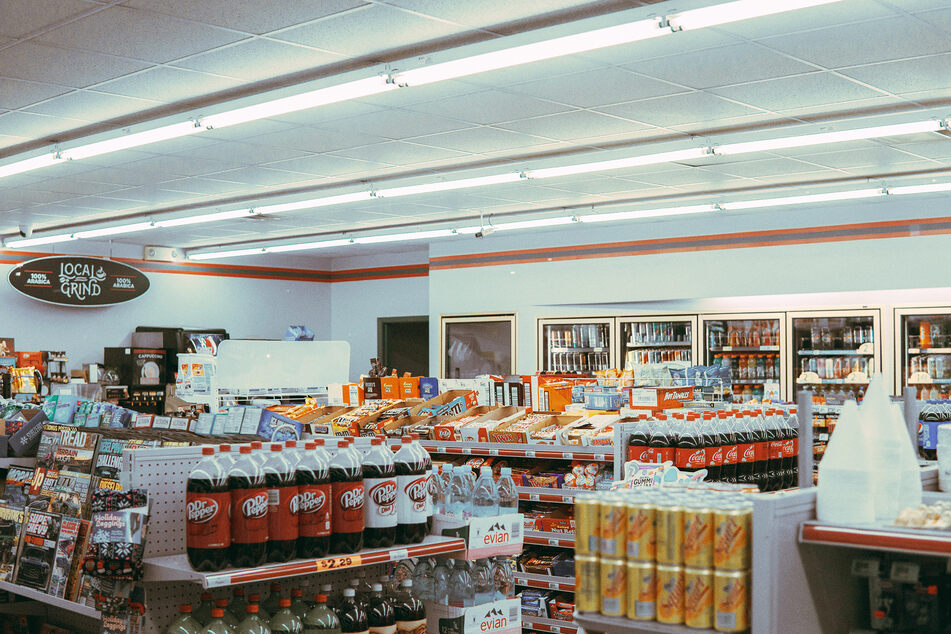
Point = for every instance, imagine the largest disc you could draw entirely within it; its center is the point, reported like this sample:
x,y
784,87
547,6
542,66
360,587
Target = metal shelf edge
x,y
593,622
51,601
875,539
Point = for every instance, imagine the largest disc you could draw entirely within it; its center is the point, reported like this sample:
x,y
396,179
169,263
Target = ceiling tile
x,y
881,157
848,45
313,139
400,153
575,125
35,126
398,124
83,187
485,13
367,30
490,106
836,13
324,165
139,34
88,105
250,16
757,169
261,176
254,60
688,108
721,66
597,88
940,18
36,62
180,165
812,89
245,153
906,76
21,17
16,94
481,140
204,185
167,84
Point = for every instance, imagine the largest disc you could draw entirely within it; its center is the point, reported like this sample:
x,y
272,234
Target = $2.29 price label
x,y
347,561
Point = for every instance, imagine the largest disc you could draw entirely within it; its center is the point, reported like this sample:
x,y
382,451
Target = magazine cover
x,y
74,582
76,451
46,450
70,494
37,549
11,524
16,489
65,551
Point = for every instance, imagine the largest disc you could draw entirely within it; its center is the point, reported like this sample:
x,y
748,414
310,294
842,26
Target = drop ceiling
x,y
72,68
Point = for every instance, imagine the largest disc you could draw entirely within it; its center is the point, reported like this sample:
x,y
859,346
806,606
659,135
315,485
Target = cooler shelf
x,y
543,494
561,540
929,350
593,622
597,453
892,539
833,353
548,582
744,348
176,567
49,601
539,624
676,344
559,350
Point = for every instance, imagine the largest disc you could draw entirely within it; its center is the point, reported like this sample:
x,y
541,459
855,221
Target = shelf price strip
x,y
897,541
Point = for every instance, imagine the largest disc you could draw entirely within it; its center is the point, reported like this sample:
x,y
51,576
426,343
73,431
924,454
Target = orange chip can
x,y
641,590
670,594
587,583
613,587
641,534
698,597
587,519
731,600
669,523
698,536
732,528
613,526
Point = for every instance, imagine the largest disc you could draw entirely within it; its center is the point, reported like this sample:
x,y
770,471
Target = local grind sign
x,y
78,281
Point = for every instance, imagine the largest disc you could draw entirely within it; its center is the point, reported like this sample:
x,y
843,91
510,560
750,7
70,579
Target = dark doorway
x,y
403,343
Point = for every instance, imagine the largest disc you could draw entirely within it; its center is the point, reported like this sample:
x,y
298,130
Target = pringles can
x,y
732,536
587,583
670,594
613,526
698,597
731,600
587,519
613,587
641,590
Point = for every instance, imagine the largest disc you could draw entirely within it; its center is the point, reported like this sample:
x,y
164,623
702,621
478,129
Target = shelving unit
x,y
548,582
540,538
539,624
73,608
597,453
6,463
594,622
541,494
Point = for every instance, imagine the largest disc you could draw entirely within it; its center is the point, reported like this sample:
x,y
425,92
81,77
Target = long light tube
x,y
236,253
647,213
308,246
736,12
804,200
194,220
401,237
442,186
30,164
614,164
805,140
314,203
174,131
112,231
35,242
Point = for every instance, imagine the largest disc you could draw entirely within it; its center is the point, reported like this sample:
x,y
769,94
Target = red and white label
x,y
640,453
746,452
775,449
714,456
282,513
692,458
411,503
761,450
379,511
731,455
249,523
430,491
789,448
313,510
347,513
662,454
207,521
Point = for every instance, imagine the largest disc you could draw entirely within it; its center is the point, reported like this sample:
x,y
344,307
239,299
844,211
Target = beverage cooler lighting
x,y
834,355
575,347
646,342
925,354
751,349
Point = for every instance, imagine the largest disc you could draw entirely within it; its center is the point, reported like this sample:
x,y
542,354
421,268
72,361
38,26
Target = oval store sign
x,y
78,281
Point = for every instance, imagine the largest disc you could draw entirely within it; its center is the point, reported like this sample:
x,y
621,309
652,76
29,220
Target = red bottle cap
x,y
252,608
245,450
207,451
285,603
224,448
217,613
320,598
185,608
239,592
254,598
275,587
221,603
276,447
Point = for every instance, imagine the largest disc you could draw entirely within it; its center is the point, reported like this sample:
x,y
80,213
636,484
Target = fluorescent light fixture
x,y
535,52
647,213
400,237
35,242
535,224
174,131
112,231
633,161
194,220
442,186
737,11
304,101
314,203
30,164
306,246
920,189
805,140
803,200
213,255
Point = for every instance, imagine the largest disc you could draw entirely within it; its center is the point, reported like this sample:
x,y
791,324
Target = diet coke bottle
x,y
279,476
379,485
313,501
412,492
207,501
346,484
249,525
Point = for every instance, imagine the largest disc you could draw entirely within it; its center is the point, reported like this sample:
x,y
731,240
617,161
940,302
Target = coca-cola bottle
x,y
774,448
410,611
690,454
792,448
313,502
379,486
713,448
249,525
412,491
662,442
380,616
347,499
745,449
279,476
207,504
638,445
761,450
727,435
353,618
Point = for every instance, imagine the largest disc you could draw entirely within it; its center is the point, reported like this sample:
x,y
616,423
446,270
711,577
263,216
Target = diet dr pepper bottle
x,y
207,504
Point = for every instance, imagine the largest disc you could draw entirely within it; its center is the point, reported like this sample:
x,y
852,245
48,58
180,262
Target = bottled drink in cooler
x,y
207,514
353,618
249,523
379,483
409,611
321,619
279,476
217,624
285,620
184,624
412,492
312,475
253,623
380,616
485,498
346,515
508,496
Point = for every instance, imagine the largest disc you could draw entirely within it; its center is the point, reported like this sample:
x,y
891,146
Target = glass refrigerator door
x,y
648,340
834,353
575,345
923,351
751,345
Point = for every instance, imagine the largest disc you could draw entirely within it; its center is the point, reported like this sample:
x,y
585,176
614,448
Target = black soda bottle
x,y
638,445
279,477
207,506
353,618
412,490
249,528
713,448
313,502
379,485
380,616
410,611
727,434
347,499
662,442
690,453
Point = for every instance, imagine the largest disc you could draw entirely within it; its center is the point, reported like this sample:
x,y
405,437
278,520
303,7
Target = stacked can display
x,y
672,555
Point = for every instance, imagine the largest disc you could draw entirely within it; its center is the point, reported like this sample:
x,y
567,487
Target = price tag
x,y
399,554
553,541
555,628
597,349
218,582
467,451
727,348
600,456
530,453
533,497
567,455
493,452
904,572
334,563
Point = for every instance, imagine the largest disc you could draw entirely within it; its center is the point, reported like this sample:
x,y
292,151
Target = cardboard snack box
x,y
541,437
447,428
448,403
478,430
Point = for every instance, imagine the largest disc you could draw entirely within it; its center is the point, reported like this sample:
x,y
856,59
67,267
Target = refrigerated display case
x,y
753,346
834,352
656,339
576,344
923,351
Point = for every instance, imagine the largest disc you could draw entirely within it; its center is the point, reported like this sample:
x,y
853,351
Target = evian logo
x,y
417,489
201,510
310,501
384,493
352,499
255,507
